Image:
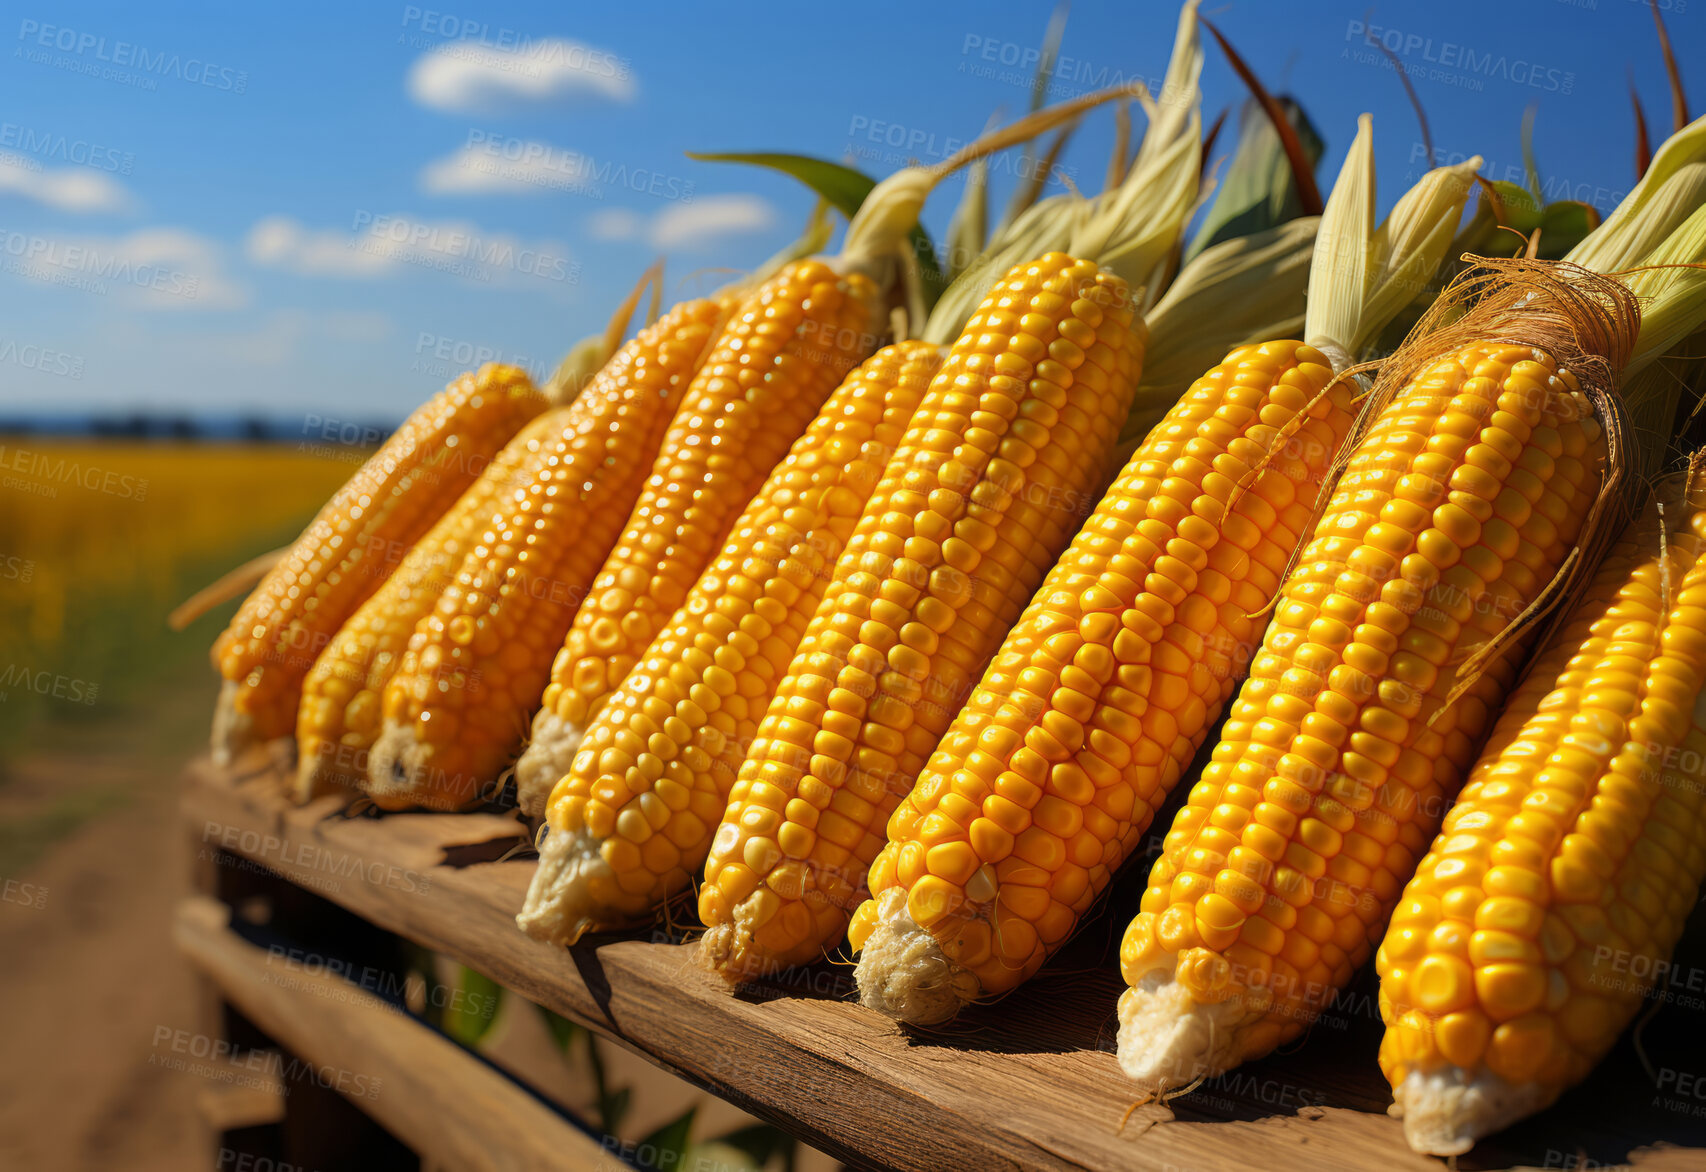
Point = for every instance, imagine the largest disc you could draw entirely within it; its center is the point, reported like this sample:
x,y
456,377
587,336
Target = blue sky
x,y
285,209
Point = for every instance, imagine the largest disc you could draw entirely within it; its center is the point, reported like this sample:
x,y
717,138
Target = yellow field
x,y
98,541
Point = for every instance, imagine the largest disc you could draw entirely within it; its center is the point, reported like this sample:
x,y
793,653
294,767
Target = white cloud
x,y
476,79
282,243
65,189
534,169
615,224
387,246
153,268
698,224
691,227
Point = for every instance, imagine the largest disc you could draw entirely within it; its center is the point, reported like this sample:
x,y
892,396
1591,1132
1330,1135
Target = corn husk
x,y
1132,230
1257,191
1673,187
1363,275
1243,290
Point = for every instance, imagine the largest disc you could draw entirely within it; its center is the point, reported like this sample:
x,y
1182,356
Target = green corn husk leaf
x,y
1659,398
1672,292
968,231
563,1031
1133,231
472,1014
1052,37
1673,187
669,1143
846,188
1562,225
1045,227
583,361
1258,191
1362,276
1243,290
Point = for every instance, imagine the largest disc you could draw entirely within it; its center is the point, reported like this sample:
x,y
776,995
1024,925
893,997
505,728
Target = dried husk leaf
x,y
1588,323
1243,290
1668,194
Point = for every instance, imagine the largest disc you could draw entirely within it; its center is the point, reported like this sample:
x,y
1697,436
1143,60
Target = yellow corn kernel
x,y
1332,824
339,716
349,550
789,345
1046,728
1586,810
656,764
992,479
459,702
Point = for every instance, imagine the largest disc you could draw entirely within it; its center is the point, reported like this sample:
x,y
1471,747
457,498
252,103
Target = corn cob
x,y
459,701
349,550
1111,680
787,349
339,716
1573,846
988,484
632,821
1484,461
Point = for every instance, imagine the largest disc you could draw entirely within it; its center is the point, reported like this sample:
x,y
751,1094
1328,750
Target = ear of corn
x,y
987,486
459,702
352,547
1391,646
1103,691
1109,684
631,822
339,716
787,348
1577,844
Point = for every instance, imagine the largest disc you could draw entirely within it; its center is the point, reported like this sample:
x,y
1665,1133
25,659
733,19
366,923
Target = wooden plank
x,y
1029,1082
420,1085
249,1100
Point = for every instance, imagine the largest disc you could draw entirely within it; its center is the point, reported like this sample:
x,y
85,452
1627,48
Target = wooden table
x,y
1027,1082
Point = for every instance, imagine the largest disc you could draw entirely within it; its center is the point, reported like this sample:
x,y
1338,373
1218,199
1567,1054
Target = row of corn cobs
x,y
869,646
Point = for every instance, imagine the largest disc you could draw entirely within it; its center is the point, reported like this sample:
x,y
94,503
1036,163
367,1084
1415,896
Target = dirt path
x,y
93,858
89,972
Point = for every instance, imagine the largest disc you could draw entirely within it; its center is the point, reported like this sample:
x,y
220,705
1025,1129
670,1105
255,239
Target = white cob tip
x,y
548,756
1169,1039
729,950
397,772
903,971
1445,1111
316,777
233,731
559,903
